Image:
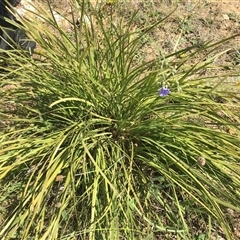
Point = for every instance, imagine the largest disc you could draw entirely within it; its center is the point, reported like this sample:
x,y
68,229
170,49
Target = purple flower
x,y
164,91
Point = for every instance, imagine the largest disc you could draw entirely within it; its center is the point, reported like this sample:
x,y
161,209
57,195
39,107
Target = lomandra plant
x,y
96,144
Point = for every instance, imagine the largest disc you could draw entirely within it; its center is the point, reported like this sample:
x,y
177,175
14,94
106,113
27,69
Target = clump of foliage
x,y
96,144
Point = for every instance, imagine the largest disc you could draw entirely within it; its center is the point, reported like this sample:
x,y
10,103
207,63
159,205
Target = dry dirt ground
x,y
192,23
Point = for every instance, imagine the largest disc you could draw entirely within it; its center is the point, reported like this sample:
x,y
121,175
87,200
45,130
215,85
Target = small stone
x,y
225,16
201,161
59,178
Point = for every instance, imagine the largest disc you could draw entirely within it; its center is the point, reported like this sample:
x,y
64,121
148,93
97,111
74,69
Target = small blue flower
x,y
164,91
